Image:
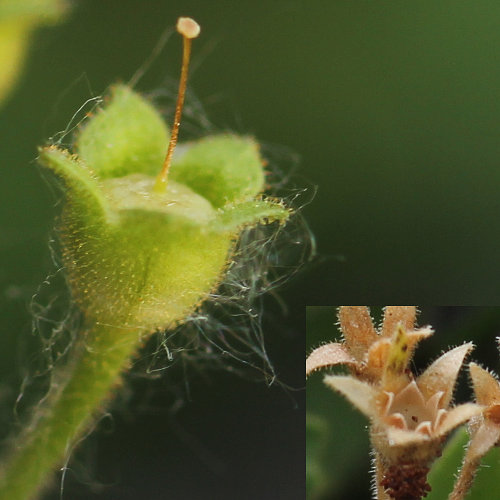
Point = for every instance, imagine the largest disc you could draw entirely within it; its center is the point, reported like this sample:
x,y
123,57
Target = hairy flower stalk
x,y
484,429
409,416
138,258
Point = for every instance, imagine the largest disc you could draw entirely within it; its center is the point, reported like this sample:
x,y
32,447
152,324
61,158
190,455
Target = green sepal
x,y
83,187
249,213
223,168
142,258
149,270
126,136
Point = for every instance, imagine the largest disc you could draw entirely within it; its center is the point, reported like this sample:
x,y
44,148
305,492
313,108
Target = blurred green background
x,y
390,108
338,451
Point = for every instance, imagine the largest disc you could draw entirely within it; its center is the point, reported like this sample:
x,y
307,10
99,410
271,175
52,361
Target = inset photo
x,y
403,402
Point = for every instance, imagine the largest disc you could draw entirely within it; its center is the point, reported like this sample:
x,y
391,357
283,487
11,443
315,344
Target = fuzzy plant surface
x,y
410,415
138,259
18,20
445,470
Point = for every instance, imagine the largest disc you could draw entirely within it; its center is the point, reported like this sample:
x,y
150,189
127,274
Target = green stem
x,y
104,353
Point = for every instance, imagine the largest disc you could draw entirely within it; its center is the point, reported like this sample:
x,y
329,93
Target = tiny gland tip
x,y
188,27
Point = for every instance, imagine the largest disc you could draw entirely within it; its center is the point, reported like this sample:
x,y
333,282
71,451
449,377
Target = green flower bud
x,y
141,252
137,257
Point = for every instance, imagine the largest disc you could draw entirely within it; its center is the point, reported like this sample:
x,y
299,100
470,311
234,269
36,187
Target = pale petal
x,y
457,416
384,401
409,396
357,328
328,355
410,403
484,439
360,394
442,374
400,437
486,386
398,314
396,420
424,428
439,417
433,403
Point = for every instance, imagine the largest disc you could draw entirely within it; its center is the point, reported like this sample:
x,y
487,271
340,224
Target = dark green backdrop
x,y
393,110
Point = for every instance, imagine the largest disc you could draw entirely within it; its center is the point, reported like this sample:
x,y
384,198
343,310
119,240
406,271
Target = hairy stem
x,y
465,478
379,475
79,392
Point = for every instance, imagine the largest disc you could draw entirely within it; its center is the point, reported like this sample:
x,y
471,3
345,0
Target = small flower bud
x,y
138,257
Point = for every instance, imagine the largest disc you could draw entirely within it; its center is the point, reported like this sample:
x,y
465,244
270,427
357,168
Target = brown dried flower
x,y
409,416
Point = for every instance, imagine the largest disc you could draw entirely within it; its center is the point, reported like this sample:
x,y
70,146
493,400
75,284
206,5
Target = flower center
x,y
408,410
